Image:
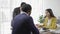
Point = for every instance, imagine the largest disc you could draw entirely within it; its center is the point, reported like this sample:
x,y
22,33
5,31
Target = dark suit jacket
x,y
23,24
16,11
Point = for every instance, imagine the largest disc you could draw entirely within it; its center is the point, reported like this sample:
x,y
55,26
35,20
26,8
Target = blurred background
x,y
38,9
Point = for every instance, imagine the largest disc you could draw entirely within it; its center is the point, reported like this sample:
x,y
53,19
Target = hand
x,y
39,26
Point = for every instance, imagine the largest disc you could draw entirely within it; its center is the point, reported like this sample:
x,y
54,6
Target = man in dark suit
x,y
23,23
17,10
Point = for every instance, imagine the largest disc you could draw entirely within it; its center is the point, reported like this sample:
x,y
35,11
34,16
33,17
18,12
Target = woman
x,y
50,20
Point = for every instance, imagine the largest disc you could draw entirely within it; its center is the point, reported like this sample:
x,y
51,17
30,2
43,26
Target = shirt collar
x,y
23,12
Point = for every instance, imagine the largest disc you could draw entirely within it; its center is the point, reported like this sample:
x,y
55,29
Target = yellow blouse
x,y
52,25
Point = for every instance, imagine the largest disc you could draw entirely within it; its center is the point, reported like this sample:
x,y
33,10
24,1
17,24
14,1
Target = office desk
x,y
47,32
50,32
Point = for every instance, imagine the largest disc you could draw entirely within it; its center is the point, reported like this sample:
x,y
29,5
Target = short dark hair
x,y
23,3
51,12
26,7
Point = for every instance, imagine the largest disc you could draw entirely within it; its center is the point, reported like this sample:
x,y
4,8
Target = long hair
x,y
51,12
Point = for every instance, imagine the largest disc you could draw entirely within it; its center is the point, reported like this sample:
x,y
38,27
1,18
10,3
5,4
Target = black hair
x,y
51,12
23,3
26,7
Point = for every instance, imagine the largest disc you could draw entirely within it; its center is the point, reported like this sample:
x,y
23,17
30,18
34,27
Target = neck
x,y
24,12
49,17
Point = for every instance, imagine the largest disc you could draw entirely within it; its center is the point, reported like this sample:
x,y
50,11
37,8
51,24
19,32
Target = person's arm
x,y
32,26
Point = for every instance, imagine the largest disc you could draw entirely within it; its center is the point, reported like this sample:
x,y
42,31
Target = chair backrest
x,y
58,20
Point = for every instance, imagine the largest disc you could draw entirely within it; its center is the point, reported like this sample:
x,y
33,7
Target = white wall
x,y
53,4
5,16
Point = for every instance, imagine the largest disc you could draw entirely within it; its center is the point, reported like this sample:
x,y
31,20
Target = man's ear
x,y
29,10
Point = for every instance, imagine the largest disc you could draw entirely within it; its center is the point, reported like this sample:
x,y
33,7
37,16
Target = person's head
x,y
49,13
22,4
27,8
